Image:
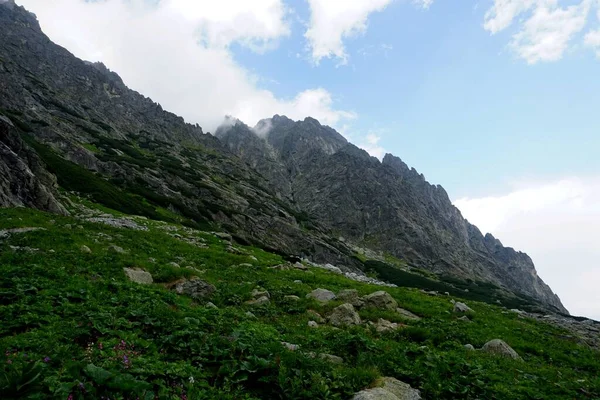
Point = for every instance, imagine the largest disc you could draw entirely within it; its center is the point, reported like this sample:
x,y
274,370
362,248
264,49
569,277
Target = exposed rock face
x,y
23,179
385,206
85,114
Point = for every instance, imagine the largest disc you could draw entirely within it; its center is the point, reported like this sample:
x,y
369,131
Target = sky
x,y
496,100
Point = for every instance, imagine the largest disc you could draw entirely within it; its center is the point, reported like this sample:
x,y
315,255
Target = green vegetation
x,y
71,324
467,289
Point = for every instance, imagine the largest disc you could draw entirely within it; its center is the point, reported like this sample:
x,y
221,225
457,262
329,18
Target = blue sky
x,y
446,95
496,100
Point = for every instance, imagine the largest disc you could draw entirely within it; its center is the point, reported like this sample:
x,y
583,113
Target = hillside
x,y
143,258
227,321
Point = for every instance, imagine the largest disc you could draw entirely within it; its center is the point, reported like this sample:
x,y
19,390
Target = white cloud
x,y
177,52
333,21
592,39
371,145
423,3
546,31
557,224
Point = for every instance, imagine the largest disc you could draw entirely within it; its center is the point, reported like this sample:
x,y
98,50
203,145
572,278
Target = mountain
x,y
384,206
296,188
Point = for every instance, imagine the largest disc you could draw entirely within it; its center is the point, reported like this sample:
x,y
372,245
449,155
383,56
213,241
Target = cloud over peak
x,y
178,53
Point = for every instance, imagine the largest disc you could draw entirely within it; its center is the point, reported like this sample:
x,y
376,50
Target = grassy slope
x,y
71,323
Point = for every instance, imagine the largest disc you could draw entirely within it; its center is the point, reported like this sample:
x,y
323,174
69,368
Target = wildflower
x,y
46,359
9,362
70,397
192,380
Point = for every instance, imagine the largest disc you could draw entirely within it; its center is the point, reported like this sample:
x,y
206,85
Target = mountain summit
x,y
297,188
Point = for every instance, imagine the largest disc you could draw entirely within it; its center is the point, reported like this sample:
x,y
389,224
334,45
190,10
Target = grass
x,y
71,324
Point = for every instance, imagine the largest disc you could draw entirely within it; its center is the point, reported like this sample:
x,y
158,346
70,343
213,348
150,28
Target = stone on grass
x,y
290,346
195,288
344,315
469,347
115,249
85,249
401,390
138,275
259,292
381,300
261,301
501,348
407,314
462,308
321,295
312,324
291,297
383,325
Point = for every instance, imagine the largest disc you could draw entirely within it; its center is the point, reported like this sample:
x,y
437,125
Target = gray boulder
x,y
350,296
462,308
499,347
321,295
138,275
195,288
407,314
261,301
116,249
344,315
381,300
389,389
383,325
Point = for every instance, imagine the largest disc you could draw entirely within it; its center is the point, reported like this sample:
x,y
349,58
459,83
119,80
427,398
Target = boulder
x,y
383,325
407,314
195,288
261,301
469,347
85,249
313,324
374,394
401,390
344,315
499,347
350,296
138,275
381,300
258,292
321,295
116,249
462,308
290,346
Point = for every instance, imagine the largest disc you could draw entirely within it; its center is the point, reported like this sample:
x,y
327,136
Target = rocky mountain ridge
x,y
296,190
385,206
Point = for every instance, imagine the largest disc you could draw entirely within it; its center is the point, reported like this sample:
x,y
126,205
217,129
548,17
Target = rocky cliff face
x,y
384,206
290,186
24,182
144,159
